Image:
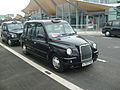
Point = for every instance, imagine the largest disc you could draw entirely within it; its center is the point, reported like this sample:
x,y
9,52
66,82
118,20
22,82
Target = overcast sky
x,y
12,6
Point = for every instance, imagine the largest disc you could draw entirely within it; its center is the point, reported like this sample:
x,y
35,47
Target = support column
x,y
98,22
62,11
69,11
86,21
77,16
81,20
41,13
56,12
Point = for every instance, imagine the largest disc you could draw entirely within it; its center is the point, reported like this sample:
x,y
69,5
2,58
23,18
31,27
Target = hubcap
x,y
56,62
24,48
9,42
107,33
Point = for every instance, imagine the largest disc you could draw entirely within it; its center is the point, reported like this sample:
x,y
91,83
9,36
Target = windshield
x,y
12,27
59,29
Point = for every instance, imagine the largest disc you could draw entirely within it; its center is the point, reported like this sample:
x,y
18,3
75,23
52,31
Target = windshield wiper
x,y
71,33
63,34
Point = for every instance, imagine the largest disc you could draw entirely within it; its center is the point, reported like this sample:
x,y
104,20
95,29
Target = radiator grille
x,y
86,52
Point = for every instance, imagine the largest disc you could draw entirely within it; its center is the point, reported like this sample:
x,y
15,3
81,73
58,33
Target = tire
x,y
107,34
24,48
9,42
56,64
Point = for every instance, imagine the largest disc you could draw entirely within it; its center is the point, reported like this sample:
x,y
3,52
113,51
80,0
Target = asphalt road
x,y
101,75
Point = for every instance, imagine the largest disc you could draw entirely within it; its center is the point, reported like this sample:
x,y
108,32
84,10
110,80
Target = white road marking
x,y
107,37
101,60
114,47
57,78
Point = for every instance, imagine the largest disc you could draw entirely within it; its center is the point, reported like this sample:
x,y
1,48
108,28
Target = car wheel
x,y
9,42
24,48
107,34
56,64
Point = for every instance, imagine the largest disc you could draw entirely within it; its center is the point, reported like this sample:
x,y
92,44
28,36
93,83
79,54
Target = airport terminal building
x,y
79,13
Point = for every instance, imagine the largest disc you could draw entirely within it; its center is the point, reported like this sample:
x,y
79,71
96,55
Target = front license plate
x,y
87,63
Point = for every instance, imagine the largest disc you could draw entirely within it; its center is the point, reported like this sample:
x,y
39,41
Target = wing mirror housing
x,y
41,36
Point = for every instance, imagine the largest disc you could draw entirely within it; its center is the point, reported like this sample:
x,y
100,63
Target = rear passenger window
x,y
116,23
31,29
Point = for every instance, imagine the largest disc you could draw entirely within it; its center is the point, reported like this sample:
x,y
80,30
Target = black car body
x,y
112,28
11,32
57,42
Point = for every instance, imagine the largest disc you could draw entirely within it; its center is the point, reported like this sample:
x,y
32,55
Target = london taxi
x,y
112,28
56,42
11,32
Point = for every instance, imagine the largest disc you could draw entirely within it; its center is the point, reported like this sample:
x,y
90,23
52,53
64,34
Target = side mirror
x,y
75,32
40,36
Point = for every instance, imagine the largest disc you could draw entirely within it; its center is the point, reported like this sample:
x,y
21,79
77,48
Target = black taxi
x,y
11,32
55,41
112,28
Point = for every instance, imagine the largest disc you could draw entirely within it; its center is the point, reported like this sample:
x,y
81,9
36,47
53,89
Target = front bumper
x,y
74,62
15,41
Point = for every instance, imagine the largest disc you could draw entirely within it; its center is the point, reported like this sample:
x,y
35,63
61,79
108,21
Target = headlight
x,y
69,51
94,45
13,35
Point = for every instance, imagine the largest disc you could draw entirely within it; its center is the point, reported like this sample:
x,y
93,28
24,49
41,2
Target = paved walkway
x,y
15,74
89,32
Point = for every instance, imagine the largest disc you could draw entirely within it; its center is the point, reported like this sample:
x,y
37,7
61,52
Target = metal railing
x,y
86,27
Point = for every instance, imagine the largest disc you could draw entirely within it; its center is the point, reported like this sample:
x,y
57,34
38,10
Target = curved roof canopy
x,y
92,7
18,16
32,6
49,7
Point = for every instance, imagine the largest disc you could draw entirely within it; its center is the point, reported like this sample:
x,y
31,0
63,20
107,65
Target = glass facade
x,y
77,17
97,1
112,11
80,18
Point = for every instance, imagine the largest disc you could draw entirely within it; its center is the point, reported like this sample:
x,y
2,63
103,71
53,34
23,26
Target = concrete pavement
x,y
85,32
16,74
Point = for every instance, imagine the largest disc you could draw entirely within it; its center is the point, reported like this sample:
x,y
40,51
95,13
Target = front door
x,y
115,28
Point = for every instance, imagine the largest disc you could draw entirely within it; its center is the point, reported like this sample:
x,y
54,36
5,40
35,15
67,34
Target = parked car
x,y
11,32
56,42
112,28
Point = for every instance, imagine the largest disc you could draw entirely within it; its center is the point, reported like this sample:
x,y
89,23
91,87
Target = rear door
x,y
4,32
41,45
29,36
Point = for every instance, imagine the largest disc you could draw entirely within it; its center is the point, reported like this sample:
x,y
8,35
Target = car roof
x,y
9,22
43,21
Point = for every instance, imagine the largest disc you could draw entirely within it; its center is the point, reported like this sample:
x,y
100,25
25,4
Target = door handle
x,y
35,42
25,39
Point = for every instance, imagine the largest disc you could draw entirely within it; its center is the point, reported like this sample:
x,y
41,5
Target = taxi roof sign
x,y
56,20
14,22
